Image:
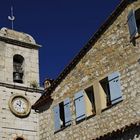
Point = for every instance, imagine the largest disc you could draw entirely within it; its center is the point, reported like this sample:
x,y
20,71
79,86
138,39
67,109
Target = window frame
x,y
119,99
133,20
63,109
93,104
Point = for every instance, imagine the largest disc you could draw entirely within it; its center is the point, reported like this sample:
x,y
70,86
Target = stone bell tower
x,y
19,58
19,85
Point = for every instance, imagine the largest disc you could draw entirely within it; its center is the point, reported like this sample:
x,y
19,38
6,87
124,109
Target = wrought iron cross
x,y
12,18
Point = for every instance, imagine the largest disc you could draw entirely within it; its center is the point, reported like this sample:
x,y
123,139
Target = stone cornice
x,y
19,43
20,87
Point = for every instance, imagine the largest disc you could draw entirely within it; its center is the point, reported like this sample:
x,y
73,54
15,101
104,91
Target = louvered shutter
x,y
80,105
56,118
132,24
67,112
115,87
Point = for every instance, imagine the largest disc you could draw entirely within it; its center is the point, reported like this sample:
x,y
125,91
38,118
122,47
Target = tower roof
x,y
17,38
20,36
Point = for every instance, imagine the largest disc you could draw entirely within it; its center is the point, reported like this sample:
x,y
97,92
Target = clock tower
x,y
19,85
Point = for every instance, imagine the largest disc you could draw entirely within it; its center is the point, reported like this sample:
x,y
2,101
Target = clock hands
x,y
20,106
18,103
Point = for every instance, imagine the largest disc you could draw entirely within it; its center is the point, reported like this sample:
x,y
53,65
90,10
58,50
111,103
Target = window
x,y
134,23
105,90
18,62
89,100
110,90
62,114
84,103
137,15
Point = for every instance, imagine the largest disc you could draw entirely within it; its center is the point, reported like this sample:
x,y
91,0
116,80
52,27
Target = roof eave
x,y
82,53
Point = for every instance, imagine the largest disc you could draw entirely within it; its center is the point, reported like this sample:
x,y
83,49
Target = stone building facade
x,y
19,76
97,96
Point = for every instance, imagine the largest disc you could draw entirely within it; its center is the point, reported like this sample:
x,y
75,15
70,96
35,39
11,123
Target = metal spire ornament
x,y
12,18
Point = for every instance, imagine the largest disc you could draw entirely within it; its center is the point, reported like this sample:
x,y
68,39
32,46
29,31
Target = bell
x,y
17,77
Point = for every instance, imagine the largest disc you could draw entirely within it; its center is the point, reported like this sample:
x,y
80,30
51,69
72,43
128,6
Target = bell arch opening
x,y
18,68
19,138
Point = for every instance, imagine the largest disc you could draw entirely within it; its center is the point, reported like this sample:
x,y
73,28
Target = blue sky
x,y
62,27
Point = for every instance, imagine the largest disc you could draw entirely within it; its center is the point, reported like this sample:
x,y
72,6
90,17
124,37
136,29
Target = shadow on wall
x,y
128,133
46,106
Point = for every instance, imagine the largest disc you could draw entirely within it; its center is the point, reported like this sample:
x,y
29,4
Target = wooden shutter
x,y
57,125
80,105
67,112
115,87
132,24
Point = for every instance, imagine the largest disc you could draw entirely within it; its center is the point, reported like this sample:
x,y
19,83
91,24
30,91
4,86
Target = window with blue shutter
x,y
132,24
62,114
57,125
115,87
67,112
80,106
112,88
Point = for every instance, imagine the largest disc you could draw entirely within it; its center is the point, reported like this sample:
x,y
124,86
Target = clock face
x,y
19,105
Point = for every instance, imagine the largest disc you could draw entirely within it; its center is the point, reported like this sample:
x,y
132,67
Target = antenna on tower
x,y
12,18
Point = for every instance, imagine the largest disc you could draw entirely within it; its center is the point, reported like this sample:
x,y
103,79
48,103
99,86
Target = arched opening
x,y
18,69
137,16
19,138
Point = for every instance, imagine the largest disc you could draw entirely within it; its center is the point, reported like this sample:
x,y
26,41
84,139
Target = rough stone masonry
x,y
113,51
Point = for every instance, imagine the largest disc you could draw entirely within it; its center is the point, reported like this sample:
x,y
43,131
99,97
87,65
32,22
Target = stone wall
x,y
31,62
112,52
12,126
